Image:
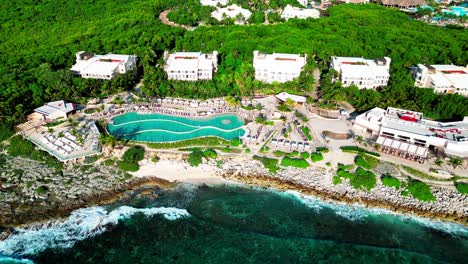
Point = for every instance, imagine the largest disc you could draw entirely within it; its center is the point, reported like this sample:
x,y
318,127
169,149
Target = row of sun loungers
x,y
290,145
63,145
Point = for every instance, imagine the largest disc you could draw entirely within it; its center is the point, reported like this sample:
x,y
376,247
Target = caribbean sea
x,y
235,224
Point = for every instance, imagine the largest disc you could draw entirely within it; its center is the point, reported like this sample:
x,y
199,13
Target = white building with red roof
x,y
442,78
91,66
190,66
363,73
278,67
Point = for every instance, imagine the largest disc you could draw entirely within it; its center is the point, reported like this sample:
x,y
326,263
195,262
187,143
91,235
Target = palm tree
x,y
377,147
455,162
439,162
359,139
107,139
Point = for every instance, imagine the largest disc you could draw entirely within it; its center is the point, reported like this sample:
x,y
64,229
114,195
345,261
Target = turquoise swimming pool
x,y
167,128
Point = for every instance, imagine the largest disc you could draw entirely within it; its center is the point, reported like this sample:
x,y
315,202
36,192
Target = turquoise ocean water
x,y
236,224
166,128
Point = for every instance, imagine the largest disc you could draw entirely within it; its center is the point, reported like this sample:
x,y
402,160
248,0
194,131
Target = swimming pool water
x,y
167,128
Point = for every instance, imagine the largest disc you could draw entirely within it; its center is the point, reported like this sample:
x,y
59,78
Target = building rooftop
x,y
98,64
413,122
279,61
298,12
284,96
189,61
51,107
231,11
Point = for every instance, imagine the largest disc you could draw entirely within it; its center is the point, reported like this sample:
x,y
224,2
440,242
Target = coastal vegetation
x,y
270,163
131,157
462,187
18,146
316,156
195,158
390,181
361,179
210,154
420,190
366,161
421,174
294,162
354,149
322,149
306,132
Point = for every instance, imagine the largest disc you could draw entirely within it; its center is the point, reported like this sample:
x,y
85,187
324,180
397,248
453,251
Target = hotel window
x,y
388,134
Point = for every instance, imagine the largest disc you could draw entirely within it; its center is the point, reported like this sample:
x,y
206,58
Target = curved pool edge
x,y
243,128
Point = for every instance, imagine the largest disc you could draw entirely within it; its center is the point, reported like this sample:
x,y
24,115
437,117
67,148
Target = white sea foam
x,y
14,260
359,213
81,224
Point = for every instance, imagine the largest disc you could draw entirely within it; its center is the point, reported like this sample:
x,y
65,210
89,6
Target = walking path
x,y
165,20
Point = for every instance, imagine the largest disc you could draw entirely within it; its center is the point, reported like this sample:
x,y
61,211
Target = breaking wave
x,y
81,224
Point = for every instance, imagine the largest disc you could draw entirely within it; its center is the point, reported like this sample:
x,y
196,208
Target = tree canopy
x,y
38,50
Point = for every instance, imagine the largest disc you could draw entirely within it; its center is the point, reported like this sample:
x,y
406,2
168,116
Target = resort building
x,y
302,13
65,143
277,67
354,1
232,11
407,134
442,78
214,2
190,66
403,4
283,97
106,67
52,111
363,73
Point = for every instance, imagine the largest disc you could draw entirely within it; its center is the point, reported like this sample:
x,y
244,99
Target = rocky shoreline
x,y
32,192
449,205
97,185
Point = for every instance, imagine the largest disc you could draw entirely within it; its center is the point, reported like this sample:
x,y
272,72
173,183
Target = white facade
x,y
442,78
284,96
364,73
214,2
408,131
302,13
277,67
190,66
89,65
231,11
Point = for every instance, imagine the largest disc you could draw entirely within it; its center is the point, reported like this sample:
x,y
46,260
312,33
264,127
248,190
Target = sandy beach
x,y
177,171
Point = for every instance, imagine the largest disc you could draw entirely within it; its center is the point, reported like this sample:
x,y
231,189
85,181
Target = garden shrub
x,y
420,190
316,156
294,162
390,181
462,187
270,163
128,166
195,158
